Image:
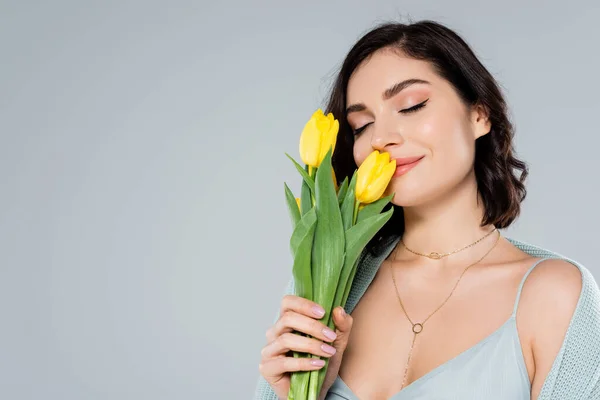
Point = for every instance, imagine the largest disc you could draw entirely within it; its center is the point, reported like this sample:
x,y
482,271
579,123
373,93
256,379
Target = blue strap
x,y
523,282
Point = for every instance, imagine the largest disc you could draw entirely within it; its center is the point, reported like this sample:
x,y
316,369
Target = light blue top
x,y
493,369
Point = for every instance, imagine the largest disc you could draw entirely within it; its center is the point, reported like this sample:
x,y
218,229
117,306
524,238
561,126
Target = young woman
x,y
443,306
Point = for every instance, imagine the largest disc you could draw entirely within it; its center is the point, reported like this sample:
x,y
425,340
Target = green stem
x,y
313,384
312,172
355,214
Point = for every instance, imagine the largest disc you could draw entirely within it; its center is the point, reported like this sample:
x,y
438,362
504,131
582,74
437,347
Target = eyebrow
x,y
389,93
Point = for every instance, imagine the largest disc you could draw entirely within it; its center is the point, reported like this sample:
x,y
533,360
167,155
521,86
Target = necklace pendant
x,y
434,255
417,328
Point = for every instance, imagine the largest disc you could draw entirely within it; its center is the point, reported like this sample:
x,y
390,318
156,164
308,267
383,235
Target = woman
x,y
443,306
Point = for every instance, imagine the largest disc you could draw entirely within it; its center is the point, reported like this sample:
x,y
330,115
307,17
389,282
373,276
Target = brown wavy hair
x,y
500,175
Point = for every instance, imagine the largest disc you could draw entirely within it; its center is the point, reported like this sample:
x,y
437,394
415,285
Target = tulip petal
x,y
380,183
327,141
364,173
309,143
375,191
382,160
388,171
334,133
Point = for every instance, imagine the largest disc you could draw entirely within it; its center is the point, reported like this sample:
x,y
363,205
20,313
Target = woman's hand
x,y
302,315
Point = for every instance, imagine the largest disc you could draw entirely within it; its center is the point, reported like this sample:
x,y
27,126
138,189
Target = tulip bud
x,y
298,202
318,136
373,177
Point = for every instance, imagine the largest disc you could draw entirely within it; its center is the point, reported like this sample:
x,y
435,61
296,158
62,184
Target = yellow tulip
x,y
373,177
298,202
318,136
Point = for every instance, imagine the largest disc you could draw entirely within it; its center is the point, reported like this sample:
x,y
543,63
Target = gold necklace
x,y
418,327
436,256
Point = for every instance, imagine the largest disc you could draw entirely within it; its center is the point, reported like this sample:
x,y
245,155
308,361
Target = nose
x,y
386,135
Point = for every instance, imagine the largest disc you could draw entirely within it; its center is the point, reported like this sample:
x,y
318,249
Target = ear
x,y
480,121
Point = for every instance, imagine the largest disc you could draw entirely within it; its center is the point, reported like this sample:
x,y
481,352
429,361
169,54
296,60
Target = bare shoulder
x,y
557,279
548,301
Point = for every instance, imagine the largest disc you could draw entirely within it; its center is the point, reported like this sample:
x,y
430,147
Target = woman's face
x,y
401,106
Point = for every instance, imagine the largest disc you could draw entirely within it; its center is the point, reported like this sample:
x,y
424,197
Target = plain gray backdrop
x,y
143,228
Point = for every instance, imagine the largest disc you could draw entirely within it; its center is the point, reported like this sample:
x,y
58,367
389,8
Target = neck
x,y
447,224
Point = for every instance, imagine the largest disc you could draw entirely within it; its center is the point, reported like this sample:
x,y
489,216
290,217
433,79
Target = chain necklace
x,y
418,327
436,256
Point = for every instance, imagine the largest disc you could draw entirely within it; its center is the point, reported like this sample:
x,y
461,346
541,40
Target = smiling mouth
x,y
403,165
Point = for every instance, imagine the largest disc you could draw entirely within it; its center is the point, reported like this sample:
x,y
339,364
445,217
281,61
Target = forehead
x,y
382,70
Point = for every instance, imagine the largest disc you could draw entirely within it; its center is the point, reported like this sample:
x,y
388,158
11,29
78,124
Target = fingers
x,y
302,306
294,342
292,321
274,367
297,316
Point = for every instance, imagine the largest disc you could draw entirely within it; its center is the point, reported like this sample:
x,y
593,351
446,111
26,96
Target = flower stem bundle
x,y
331,226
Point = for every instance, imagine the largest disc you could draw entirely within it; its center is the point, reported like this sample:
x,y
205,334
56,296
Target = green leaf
x,y
301,243
305,198
374,208
347,208
346,291
309,181
292,205
328,246
298,384
360,234
342,190
357,238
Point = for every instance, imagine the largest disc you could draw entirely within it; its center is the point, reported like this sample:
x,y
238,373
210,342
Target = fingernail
x,y
329,333
328,349
343,312
318,363
318,311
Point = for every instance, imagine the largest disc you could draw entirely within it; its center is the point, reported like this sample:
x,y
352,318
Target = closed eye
x,y
362,128
412,109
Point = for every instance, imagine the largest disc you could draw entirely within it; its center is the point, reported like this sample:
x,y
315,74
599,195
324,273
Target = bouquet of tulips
x,y
331,226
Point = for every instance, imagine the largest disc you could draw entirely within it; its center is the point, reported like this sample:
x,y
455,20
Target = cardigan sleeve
x,y
263,390
575,372
595,395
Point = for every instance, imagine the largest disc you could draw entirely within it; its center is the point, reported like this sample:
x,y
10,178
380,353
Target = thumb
x,y
343,325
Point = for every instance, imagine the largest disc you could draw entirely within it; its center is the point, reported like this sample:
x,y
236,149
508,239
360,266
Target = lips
x,y
405,164
407,160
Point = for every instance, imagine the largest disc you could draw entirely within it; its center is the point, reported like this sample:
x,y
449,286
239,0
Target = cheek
x,y
429,131
447,137
459,142
361,149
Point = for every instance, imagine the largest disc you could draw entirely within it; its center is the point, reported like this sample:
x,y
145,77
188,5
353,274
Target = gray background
x,y
143,229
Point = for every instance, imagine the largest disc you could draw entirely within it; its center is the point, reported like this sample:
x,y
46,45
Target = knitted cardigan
x,y
575,373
